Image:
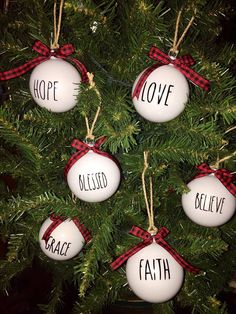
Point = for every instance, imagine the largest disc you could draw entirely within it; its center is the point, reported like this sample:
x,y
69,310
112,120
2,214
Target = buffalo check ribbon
x,y
183,64
57,220
83,148
46,53
223,175
147,240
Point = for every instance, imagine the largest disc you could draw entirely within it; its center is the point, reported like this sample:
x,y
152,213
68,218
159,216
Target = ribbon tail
x,y
123,258
50,229
194,77
78,144
204,167
84,231
187,59
229,186
100,141
81,68
158,55
201,82
41,48
13,73
178,258
73,160
232,189
142,80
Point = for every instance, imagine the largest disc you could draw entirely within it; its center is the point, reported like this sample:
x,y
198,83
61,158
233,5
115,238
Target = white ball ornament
x,y
65,241
94,178
163,95
153,274
208,203
54,85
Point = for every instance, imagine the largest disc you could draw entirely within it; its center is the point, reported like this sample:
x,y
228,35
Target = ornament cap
x,y
89,142
173,54
153,230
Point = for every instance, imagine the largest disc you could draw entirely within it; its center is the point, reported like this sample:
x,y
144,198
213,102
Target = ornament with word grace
x,y
62,239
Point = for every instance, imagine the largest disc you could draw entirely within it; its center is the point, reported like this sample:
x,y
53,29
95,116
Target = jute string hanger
x,y
176,42
216,165
90,135
57,23
55,45
152,229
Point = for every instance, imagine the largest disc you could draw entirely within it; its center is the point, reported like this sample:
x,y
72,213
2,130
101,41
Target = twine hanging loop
x,y
90,135
216,165
176,42
57,23
92,85
152,229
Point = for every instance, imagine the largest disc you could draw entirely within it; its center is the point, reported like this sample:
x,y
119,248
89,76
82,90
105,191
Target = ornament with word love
x,y
92,175
54,83
161,92
211,200
62,239
154,269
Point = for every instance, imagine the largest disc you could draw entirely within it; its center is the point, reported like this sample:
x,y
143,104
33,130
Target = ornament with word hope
x,y
211,200
154,269
62,239
92,175
161,92
54,83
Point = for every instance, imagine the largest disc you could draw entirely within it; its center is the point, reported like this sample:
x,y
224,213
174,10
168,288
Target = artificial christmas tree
x,y
111,39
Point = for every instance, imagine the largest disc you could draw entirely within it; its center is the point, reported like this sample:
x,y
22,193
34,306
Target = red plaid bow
x,y
57,220
223,175
83,149
147,240
183,64
45,53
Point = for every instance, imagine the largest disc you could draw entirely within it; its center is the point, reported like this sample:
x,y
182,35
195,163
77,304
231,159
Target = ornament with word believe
x,y
54,83
211,200
62,239
154,269
92,175
161,92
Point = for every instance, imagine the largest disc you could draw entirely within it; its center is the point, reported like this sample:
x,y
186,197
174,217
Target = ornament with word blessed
x,y
161,92
62,239
92,175
211,200
154,270
54,82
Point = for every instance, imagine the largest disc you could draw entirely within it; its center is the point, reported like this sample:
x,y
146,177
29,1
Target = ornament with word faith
x,y
211,200
54,83
62,239
92,175
154,269
160,92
